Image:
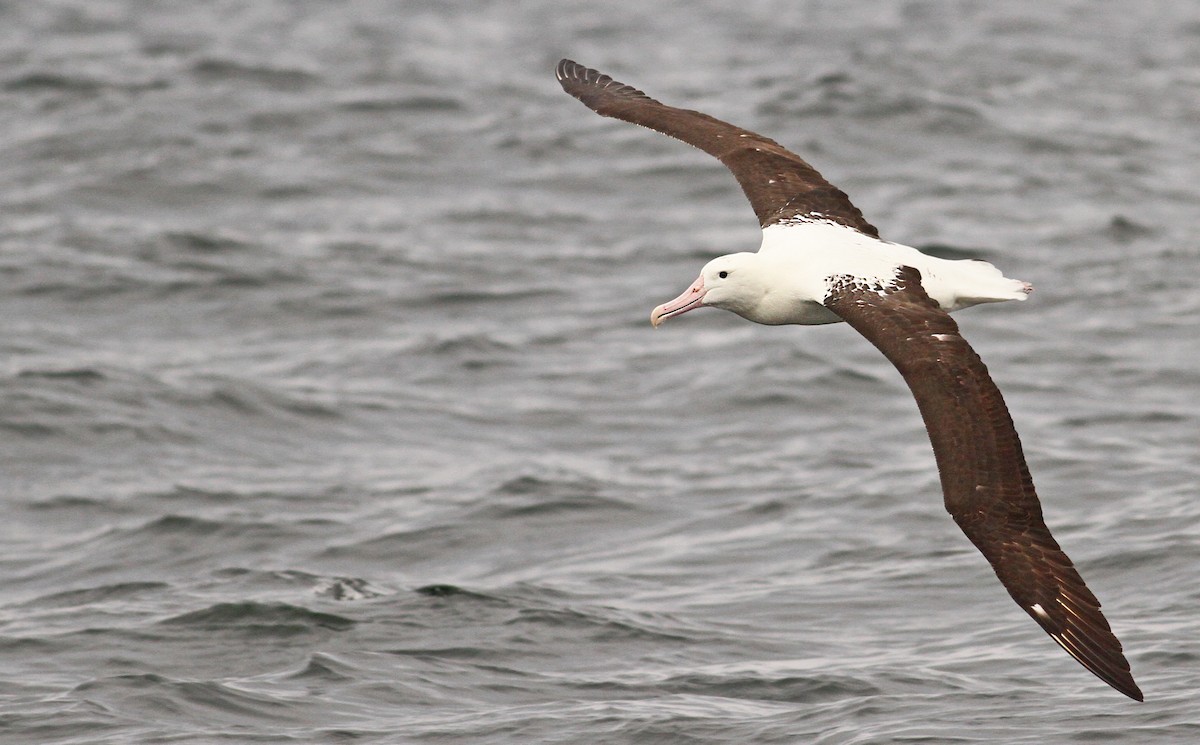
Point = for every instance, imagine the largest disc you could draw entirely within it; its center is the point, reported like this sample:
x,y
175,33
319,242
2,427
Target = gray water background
x,y
330,411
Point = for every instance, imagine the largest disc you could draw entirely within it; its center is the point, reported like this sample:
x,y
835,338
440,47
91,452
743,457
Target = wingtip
x,y
571,75
1125,686
563,66
1103,658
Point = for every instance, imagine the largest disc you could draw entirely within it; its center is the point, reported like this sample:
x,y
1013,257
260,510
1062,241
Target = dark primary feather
x,y
778,183
985,481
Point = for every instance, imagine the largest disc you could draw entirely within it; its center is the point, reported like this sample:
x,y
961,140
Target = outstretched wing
x,y
778,183
985,481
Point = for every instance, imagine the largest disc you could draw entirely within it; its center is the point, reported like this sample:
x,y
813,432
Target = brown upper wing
x,y
778,183
985,481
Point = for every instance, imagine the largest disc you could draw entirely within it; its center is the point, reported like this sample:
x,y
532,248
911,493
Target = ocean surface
x,y
330,410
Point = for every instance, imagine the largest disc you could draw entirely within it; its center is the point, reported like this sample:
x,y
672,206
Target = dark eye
x,y
722,275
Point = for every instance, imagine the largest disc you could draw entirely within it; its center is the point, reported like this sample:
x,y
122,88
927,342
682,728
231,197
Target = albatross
x,y
821,262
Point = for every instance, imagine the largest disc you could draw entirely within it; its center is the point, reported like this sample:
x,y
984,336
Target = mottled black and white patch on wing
x,y
780,185
985,481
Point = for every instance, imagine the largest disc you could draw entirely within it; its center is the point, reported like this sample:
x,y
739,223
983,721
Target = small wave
x,y
92,595
557,505
168,524
76,503
277,618
794,688
324,668
173,543
529,485
402,545
147,695
245,398
84,403
469,344
602,627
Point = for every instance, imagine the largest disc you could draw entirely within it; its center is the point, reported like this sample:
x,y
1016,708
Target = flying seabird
x,y
821,262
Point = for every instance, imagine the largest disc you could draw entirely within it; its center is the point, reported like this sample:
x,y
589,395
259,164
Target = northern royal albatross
x,y
821,262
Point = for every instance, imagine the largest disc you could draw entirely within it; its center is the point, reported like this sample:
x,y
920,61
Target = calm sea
x,y
330,410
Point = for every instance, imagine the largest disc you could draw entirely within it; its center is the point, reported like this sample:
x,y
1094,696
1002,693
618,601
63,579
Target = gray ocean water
x,y
330,410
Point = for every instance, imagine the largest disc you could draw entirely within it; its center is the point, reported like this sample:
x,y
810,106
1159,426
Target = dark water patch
x,y
277,122
849,379
91,403
795,689
176,543
455,594
160,273
760,398
1124,229
530,485
410,545
260,618
423,104
523,216
193,496
22,646
536,494
466,346
31,430
473,353
449,653
440,591
332,303
598,626
556,507
675,173
171,524
74,87
288,191
78,503
463,296
1143,418
205,243
1122,562
209,277
95,595
103,284
1039,144
85,375
245,398
1169,659
50,81
211,70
